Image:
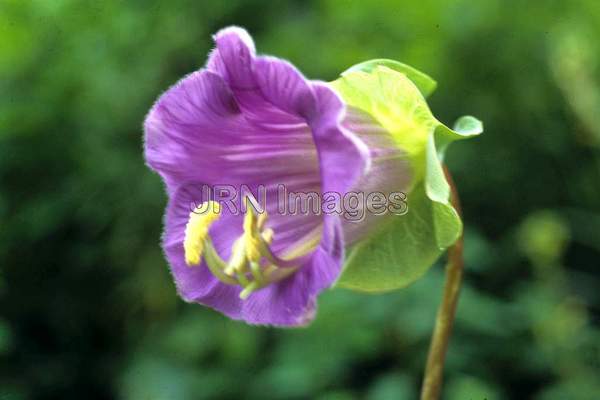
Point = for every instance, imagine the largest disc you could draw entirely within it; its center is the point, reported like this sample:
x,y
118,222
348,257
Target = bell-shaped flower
x,y
255,121
248,121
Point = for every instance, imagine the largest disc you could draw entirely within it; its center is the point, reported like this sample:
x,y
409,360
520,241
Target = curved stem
x,y
432,381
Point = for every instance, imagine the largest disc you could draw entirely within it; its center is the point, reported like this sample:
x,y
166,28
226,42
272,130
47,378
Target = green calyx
x,y
402,251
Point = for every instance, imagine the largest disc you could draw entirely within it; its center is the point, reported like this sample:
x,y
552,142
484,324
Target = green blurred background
x,y
87,305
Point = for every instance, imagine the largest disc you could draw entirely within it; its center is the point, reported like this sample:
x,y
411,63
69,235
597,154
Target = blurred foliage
x,y
87,306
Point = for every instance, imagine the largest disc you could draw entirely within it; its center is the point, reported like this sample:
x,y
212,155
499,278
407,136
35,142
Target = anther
x,y
196,230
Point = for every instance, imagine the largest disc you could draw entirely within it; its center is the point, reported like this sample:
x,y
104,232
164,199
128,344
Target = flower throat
x,y
252,265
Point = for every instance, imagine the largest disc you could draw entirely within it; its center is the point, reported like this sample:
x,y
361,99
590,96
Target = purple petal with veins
x,y
254,120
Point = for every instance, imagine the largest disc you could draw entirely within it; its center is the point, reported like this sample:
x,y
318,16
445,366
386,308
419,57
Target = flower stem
x,y
432,381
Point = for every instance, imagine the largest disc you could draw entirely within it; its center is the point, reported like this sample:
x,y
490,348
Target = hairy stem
x,y
432,381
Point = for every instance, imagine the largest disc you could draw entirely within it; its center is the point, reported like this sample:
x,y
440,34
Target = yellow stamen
x,y
267,236
252,265
196,230
237,261
251,237
262,219
246,249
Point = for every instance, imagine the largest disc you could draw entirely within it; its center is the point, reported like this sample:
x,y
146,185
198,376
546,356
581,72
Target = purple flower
x,y
252,120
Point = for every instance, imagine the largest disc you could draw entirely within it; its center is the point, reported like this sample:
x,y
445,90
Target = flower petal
x,y
185,121
282,85
254,121
336,145
234,58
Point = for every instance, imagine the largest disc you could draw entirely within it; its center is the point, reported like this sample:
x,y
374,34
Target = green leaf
x,y
404,247
423,82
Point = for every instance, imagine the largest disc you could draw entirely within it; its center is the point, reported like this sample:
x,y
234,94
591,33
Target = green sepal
x,y
405,246
422,81
401,252
464,128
